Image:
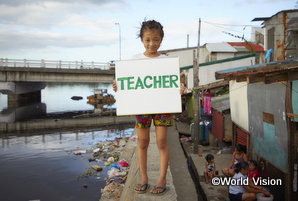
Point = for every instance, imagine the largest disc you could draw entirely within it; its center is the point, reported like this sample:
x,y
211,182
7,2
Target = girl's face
x,y
236,151
212,160
244,172
252,166
151,40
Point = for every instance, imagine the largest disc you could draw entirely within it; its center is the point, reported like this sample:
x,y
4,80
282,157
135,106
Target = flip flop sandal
x,y
142,191
165,189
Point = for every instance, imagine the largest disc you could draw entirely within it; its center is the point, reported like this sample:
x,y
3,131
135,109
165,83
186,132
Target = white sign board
x,y
148,86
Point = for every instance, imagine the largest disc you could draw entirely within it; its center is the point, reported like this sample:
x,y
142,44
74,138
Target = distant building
x,y
214,57
281,34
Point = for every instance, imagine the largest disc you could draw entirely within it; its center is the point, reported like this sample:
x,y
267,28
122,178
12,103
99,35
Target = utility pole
x,y
196,107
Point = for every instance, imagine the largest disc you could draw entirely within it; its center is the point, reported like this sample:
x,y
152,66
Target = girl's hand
x,y
266,192
114,86
182,89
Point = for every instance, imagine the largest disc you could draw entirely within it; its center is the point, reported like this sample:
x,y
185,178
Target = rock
x,y
85,185
96,168
76,97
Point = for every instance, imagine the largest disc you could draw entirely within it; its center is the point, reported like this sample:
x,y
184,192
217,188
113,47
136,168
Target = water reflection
x,y
55,98
43,166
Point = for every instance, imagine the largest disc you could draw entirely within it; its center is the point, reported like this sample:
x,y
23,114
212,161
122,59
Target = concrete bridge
x,y
20,78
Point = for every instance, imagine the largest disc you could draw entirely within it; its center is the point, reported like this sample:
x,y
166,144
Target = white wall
x,y
207,73
239,104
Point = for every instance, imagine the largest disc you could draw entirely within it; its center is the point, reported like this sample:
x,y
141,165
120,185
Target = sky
x,y
75,30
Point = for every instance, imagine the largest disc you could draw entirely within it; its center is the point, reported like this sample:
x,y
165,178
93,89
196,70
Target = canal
x,y
40,164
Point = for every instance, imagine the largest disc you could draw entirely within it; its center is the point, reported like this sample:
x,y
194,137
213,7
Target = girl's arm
x,y
232,161
182,89
114,86
206,167
245,158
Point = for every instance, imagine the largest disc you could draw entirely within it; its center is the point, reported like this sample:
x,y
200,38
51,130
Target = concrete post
x,y
18,100
59,63
6,62
76,64
42,63
92,65
25,63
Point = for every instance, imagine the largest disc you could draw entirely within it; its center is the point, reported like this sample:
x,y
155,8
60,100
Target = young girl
x,y
253,172
151,34
209,167
238,156
240,192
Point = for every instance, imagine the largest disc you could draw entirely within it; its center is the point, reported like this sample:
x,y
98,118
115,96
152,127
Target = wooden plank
x,y
292,115
241,78
212,85
293,75
256,79
271,78
269,118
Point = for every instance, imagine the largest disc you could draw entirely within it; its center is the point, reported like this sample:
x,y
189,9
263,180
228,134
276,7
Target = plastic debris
x,y
134,138
79,152
114,165
111,159
123,163
112,172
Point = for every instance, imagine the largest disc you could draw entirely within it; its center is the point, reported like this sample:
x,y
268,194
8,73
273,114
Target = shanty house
x,y
264,111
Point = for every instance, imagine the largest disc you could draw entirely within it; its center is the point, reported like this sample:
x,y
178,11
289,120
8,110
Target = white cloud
x,y
21,40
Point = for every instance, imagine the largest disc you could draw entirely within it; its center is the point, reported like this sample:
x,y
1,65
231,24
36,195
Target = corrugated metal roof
x,y
267,18
221,103
261,70
256,68
220,47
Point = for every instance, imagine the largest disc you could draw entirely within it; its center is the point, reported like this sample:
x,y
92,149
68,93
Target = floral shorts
x,y
144,121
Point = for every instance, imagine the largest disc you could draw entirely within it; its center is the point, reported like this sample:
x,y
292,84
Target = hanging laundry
x,y
207,105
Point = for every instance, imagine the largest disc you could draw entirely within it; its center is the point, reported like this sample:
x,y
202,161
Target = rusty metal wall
x,y
217,125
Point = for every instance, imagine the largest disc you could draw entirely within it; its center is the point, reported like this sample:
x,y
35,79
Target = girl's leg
x,y
228,172
143,143
248,196
206,176
162,144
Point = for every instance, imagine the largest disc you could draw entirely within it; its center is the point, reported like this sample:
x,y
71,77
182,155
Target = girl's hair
x,y
241,165
151,24
254,162
241,147
209,157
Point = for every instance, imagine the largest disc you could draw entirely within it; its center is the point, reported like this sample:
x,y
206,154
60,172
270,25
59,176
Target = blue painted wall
x,y
295,98
267,149
269,141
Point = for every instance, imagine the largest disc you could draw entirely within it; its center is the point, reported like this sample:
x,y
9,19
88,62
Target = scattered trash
x,y
134,138
87,174
96,168
185,139
111,159
79,152
123,163
108,152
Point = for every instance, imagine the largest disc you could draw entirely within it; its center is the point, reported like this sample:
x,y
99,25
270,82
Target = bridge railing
x,y
53,64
